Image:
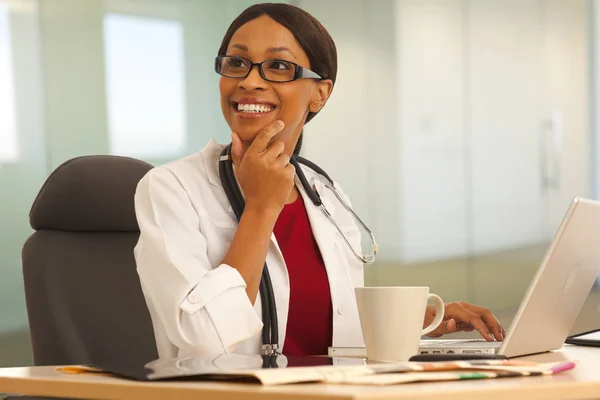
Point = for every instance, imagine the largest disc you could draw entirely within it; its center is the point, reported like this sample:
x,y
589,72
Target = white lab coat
x,y
198,305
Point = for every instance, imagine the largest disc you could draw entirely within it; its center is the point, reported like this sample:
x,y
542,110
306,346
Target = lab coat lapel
x,y
322,229
281,285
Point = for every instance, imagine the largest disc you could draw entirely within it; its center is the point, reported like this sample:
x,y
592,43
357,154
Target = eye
x,y
235,62
279,65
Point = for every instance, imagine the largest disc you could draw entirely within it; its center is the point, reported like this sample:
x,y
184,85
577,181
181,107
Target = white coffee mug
x,y
392,320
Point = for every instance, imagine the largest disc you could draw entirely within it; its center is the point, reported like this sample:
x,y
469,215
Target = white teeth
x,y
253,108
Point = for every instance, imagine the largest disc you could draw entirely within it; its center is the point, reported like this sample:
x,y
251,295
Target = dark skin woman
x,y
277,67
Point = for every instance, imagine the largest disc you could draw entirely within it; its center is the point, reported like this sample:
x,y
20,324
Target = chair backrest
x,y
83,295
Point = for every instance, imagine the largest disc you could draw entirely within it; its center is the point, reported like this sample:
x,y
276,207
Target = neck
x,y
293,195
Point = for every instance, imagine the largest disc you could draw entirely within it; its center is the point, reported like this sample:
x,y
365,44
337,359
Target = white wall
x,y
567,90
527,64
354,138
504,95
438,117
431,126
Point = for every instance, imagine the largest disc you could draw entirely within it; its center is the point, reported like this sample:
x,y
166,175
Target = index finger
x,y
261,141
462,314
490,320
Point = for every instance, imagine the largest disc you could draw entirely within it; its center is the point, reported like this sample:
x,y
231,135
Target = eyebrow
x,y
269,50
240,46
280,50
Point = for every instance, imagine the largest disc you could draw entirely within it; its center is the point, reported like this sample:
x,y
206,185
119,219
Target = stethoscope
x,y
270,332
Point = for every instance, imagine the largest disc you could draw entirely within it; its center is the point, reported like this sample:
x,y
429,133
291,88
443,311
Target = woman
x,y
200,269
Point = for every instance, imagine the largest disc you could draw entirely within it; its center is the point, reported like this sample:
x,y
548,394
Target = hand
x,y
465,317
263,170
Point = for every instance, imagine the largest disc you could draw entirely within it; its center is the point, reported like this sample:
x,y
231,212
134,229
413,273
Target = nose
x,y
253,81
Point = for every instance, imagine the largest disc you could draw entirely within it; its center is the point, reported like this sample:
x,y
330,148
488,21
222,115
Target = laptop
x,y
553,300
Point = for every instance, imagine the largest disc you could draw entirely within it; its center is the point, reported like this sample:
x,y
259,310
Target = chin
x,y
249,129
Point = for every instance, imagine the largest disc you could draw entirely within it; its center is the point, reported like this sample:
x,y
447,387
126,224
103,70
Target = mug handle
x,y
439,313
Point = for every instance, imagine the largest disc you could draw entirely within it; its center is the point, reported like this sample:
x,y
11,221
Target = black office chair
x,y
83,295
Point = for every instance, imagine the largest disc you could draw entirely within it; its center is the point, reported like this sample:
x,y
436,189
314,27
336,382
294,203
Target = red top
x,y
309,325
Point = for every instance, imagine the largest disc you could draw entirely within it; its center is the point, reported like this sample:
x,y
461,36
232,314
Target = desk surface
x,y
583,382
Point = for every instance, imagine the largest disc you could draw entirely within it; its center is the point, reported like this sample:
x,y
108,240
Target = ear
x,y
320,95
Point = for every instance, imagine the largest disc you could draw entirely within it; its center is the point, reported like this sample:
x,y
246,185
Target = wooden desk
x,y
583,382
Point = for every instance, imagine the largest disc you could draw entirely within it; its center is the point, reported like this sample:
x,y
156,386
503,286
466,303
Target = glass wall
x,y
460,129
9,151
144,57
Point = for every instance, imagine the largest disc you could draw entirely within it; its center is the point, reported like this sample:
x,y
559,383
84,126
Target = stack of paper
x,y
248,368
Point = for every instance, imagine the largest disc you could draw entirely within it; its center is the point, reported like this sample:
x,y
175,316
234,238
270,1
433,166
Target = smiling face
x,y
251,103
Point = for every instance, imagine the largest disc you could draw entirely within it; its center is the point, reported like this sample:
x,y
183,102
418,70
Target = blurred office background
x,y
461,129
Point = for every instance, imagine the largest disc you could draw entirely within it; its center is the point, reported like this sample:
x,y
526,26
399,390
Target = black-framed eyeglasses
x,y
270,70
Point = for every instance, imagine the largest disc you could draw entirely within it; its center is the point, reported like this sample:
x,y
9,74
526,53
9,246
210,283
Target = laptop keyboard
x,y
483,344
478,343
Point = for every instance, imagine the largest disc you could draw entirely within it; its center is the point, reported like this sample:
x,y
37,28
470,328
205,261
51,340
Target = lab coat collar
x,y
322,228
212,151
210,155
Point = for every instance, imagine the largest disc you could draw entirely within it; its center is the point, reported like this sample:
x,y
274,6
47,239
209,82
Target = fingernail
x,y
280,123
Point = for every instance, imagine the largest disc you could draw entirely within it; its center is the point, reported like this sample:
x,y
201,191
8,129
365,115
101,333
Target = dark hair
x,y
310,34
